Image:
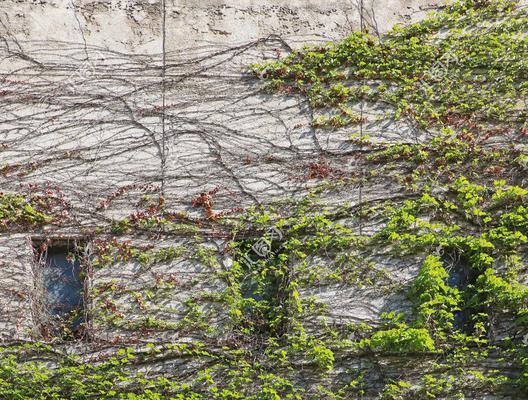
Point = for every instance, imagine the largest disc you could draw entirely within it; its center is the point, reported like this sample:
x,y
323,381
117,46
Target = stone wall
x,y
138,128
82,90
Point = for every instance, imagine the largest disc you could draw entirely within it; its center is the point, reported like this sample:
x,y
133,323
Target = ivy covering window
x,y
460,277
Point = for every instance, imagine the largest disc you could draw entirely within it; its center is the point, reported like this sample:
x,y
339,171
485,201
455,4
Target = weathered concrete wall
x,y
135,26
17,290
83,92
67,73
87,107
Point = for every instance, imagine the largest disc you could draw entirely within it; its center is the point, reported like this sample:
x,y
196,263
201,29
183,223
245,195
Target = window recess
x,y
60,283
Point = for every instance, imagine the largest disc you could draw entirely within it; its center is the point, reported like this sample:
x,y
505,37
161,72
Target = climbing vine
x,y
249,298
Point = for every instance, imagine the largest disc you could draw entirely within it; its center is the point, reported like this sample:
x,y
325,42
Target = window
x,y
60,284
460,276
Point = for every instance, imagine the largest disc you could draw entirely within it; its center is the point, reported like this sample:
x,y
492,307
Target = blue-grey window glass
x,y
460,276
63,286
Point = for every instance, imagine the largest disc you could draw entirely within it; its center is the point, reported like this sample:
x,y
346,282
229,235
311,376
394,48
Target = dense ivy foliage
x,y
16,209
461,75
471,73
462,214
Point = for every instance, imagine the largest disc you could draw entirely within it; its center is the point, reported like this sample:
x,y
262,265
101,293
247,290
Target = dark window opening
x,y
263,286
249,289
61,285
461,276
